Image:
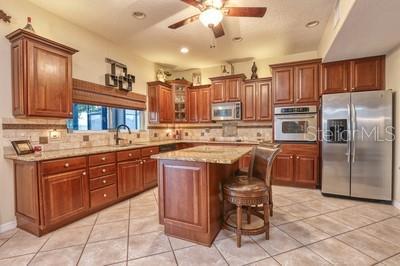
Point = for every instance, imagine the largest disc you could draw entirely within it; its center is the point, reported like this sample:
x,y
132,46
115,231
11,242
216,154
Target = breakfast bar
x,y
190,199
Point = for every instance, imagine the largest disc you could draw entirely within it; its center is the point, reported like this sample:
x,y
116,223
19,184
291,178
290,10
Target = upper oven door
x,y
223,111
296,127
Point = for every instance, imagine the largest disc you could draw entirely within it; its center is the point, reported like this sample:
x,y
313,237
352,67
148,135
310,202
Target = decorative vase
x,y
254,71
28,26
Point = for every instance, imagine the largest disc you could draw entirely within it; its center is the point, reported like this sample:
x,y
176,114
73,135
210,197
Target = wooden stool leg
x,y
266,220
239,226
271,204
249,215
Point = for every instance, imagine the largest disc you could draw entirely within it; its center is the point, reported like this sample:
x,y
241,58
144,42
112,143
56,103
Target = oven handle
x,y
295,118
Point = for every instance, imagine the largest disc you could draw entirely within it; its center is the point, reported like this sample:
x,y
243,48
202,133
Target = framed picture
x,y
22,146
196,79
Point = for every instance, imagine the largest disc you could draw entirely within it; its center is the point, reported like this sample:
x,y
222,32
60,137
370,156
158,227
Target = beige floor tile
x,y
164,259
106,231
340,203
177,243
367,244
393,261
113,215
301,257
300,211
65,257
124,263
394,222
199,255
265,262
247,253
284,189
104,252
384,231
302,196
303,232
90,220
147,244
368,212
143,202
145,225
320,206
281,217
121,205
2,241
22,243
350,218
17,261
143,211
280,201
339,253
223,234
8,234
68,237
328,225
278,242
388,209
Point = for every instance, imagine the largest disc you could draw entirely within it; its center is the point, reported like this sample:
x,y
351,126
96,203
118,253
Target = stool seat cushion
x,y
245,186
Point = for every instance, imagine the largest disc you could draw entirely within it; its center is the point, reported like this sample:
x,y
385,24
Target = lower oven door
x,y
301,127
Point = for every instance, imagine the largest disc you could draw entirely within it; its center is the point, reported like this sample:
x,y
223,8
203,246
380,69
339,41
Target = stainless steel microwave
x,y
226,111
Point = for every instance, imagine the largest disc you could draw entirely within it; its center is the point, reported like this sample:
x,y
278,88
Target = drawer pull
x,y
103,159
291,157
104,181
151,150
66,165
103,170
105,195
130,154
141,162
84,173
297,157
144,161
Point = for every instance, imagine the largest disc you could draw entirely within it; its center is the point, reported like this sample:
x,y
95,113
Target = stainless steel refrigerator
x,y
357,141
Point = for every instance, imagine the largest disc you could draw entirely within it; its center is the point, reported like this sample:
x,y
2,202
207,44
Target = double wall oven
x,y
299,123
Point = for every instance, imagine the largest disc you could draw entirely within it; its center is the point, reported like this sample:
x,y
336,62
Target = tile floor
x,y
306,229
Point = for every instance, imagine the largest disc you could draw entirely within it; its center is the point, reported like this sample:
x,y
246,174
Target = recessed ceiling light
x,y
138,15
312,24
237,39
184,50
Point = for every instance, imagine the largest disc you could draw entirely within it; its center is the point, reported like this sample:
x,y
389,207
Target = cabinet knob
x,y
70,113
151,150
291,157
141,162
105,195
297,157
66,165
84,173
104,181
103,170
130,154
103,159
144,161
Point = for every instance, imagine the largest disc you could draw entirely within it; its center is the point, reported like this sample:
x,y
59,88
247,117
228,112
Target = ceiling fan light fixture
x,y
184,50
211,17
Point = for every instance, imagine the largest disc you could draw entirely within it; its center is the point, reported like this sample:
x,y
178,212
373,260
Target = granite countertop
x,y
206,154
64,153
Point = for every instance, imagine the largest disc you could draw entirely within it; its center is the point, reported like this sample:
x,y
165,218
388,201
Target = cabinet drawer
x,y
100,182
102,170
150,151
99,159
128,155
103,195
62,165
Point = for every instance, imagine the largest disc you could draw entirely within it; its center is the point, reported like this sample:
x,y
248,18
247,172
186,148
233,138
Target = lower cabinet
x,y
297,165
130,178
149,172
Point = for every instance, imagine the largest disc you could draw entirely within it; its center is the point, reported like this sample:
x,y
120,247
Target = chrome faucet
x,y
117,138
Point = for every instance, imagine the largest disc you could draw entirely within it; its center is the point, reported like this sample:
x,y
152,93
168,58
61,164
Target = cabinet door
x,y
244,162
49,81
149,172
193,105
64,195
367,74
335,77
249,101
264,101
232,89
306,171
283,167
165,105
204,105
282,79
152,104
130,178
218,91
306,83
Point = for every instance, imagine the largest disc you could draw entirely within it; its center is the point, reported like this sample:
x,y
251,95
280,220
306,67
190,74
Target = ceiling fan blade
x,y
184,22
195,3
245,11
218,30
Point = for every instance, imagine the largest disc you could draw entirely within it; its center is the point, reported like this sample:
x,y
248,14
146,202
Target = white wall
x,y
88,64
393,82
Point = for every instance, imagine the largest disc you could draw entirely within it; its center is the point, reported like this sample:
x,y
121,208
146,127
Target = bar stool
x,y
248,192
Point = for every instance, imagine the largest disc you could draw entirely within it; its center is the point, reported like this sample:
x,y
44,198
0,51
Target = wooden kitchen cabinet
x,y
257,100
160,105
226,88
335,77
180,100
130,178
149,172
204,104
193,105
297,165
296,83
41,76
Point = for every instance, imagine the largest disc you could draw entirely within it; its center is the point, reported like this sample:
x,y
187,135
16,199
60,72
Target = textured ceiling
x,y
280,32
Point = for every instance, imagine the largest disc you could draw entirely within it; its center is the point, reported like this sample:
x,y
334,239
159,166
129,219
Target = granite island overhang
x,y
190,190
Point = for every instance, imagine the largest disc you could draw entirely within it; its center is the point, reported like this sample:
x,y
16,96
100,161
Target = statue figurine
x,y
254,71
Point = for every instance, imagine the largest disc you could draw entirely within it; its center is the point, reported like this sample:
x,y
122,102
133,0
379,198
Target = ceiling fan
x,y
213,11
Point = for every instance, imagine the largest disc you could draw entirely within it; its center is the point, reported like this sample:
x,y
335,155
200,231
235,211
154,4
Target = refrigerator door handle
x,y
353,132
349,135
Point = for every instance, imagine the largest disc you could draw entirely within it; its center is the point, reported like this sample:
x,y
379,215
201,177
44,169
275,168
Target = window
x,y
93,117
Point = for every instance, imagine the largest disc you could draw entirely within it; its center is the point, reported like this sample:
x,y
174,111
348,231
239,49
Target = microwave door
x,y
220,113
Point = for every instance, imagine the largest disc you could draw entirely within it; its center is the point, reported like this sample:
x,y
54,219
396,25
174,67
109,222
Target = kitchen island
x,y
190,190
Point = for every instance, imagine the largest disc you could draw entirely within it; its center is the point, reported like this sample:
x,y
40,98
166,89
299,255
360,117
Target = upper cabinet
x,y
296,83
256,100
180,99
362,74
41,76
226,88
160,107
199,104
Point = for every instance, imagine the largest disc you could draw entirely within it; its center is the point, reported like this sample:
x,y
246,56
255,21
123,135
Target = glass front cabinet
x,y
180,100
